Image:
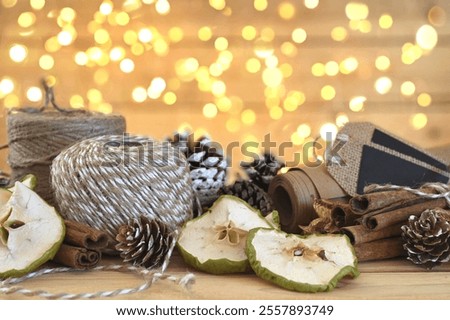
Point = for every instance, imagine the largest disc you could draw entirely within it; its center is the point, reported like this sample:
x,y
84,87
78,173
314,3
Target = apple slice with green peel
x,y
215,241
301,263
31,232
29,180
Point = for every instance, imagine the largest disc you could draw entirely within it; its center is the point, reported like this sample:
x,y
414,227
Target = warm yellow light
x,y
224,104
46,62
130,37
318,69
328,131
304,130
11,101
260,5
26,19
106,7
233,125
215,69
34,94
382,63
341,119
93,53
296,139
37,4
253,65
263,48
67,14
426,37
18,53
339,33
81,58
139,94
383,85
170,98
272,77
6,86
271,62
225,58
331,68
407,88
221,43
288,49
210,110
290,104
248,117
162,7
286,10
356,104
418,121
76,101
311,4
287,70
328,92
218,88
424,99
158,84
348,65
275,113
267,34
101,36
52,45
204,33
104,107
127,65
94,96
117,53
248,33
65,38
145,35
299,35
176,34
218,4
356,11
385,21
122,18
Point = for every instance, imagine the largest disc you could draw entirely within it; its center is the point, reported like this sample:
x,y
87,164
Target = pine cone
x,y
250,193
206,163
144,242
427,238
262,171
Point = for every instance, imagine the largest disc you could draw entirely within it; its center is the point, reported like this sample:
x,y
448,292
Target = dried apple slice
x,y
215,241
301,263
31,232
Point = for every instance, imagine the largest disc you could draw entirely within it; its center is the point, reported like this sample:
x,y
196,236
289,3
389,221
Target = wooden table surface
x,y
389,279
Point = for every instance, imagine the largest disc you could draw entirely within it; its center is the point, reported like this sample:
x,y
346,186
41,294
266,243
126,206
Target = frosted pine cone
x,y
262,171
427,238
144,242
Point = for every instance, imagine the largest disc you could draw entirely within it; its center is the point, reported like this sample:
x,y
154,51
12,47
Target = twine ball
x,y
108,180
35,139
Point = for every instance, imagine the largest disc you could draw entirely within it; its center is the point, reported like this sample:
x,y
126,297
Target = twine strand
x,y
438,190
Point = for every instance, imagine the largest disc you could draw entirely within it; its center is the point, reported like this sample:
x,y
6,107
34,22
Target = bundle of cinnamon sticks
x,y
82,246
373,221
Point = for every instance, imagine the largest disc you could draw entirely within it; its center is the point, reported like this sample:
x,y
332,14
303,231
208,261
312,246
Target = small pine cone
x,y
262,171
427,238
144,242
250,193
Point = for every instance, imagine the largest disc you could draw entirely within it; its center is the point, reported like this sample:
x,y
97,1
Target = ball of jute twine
x,y
108,180
37,135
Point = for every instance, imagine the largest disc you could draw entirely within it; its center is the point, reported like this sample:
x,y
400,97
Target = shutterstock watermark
x,y
132,150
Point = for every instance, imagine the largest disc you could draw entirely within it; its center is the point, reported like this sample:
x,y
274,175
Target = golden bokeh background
x,y
235,69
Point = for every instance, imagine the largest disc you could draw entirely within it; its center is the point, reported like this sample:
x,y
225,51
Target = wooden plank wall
x,y
392,111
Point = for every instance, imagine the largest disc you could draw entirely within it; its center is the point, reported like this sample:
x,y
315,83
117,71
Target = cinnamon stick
x,y
81,235
342,215
389,218
360,234
76,257
380,249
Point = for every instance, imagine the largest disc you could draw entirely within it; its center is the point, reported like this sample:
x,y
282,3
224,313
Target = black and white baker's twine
x,y
9,286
